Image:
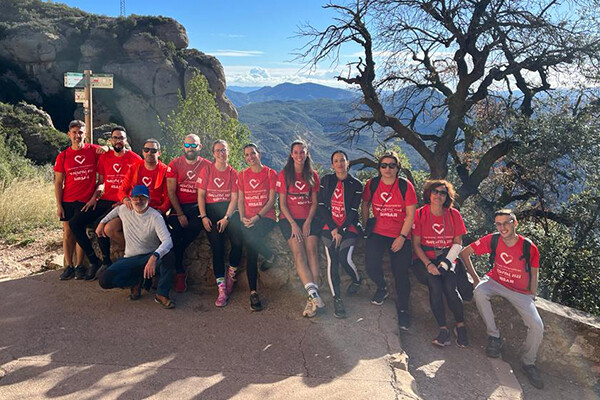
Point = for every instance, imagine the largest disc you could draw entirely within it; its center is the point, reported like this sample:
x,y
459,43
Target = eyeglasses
x,y
223,150
117,137
192,145
503,224
440,192
388,165
150,150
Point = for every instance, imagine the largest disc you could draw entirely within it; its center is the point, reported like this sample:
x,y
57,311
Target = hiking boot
x,y
338,308
165,302
310,310
68,273
533,375
229,280
353,288
223,297
493,347
136,291
462,339
255,304
318,300
80,272
268,264
403,320
91,272
443,338
181,282
379,297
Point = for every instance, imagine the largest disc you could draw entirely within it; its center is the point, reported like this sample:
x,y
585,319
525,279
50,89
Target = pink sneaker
x,y
229,280
181,282
223,297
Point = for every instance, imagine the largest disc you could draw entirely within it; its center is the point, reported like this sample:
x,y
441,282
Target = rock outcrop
x,y
148,56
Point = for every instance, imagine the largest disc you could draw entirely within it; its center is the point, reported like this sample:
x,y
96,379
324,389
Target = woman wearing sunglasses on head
x,y
298,185
217,201
256,197
393,201
339,199
437,240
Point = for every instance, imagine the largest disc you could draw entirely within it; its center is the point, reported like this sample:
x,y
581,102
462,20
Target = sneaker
x,y
443,338
403,320
379,296
68,273
80,272
268,264
493,347
338,308
136,291
181,282
319,301
165,302
223,297
353,288
255,304
91,272
462,339
229,280
533,375
310,310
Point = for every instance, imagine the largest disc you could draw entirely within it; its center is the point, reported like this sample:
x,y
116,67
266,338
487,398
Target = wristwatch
x,y
156,254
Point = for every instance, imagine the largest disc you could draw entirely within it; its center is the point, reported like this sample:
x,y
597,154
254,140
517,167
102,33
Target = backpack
x,y
374,183
526,254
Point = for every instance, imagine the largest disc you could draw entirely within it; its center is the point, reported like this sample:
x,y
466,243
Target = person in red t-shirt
x,y
437,235
514,278
183,219
112,167
298,184
217,201
389,229
74,185
256,197
339,199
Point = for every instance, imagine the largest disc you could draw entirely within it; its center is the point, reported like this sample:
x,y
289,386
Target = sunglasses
x,y
150,150
440,192
117,137
388,165
192,145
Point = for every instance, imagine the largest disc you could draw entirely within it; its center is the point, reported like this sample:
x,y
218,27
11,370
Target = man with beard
x,y
112,167
147,247
183,219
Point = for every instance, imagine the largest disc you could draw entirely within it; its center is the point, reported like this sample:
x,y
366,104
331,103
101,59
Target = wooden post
x,y
87,107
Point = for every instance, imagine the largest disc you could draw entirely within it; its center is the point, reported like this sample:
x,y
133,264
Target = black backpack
x,y
526,254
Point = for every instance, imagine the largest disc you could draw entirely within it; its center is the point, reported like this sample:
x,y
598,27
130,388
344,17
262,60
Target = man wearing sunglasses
x,y
514,276
112,167
183,219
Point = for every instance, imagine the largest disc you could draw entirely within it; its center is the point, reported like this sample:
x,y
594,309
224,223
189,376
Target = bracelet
x,y
226,217
259,216
404,236
430,263
202,216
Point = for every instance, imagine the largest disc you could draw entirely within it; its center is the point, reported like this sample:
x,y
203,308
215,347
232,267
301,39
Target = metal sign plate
x,y
74,80
102,81
79,96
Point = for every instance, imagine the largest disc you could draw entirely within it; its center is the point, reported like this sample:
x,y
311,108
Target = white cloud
x,y
228,35
236,53
259,76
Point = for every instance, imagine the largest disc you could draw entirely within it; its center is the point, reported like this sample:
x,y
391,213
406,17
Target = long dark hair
x,y
307,170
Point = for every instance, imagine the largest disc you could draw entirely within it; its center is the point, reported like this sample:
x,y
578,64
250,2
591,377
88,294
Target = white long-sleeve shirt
x,y
144,233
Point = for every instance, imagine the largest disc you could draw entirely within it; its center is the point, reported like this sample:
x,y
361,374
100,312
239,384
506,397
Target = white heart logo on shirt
x,y
117,168
385,196
438,228
300,185
79,159
219,182
147,181
507,258
254,183
191,175
337,193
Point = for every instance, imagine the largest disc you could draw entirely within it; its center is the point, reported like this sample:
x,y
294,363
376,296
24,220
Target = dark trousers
x,y
256,244
339,255
215,212
400,261
183,237
127,272
78,226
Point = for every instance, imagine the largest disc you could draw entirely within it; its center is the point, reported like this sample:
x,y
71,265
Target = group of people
x,y
156,211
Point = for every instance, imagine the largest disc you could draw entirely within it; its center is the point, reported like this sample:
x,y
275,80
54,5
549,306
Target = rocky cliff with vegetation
x,y
148,56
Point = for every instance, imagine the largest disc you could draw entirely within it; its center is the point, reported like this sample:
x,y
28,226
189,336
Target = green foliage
x,y
198,113
13,163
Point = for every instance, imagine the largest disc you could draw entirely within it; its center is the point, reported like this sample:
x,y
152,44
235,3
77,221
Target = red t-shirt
x,y
256,187
389,207
338,210
299,193
437,231
113,169
186,176
218,184
79,168
509,267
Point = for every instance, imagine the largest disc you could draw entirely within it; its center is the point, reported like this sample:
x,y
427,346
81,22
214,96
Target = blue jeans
x,y
127,272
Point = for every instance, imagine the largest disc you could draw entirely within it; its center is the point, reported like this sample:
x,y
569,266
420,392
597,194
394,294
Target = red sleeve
x,y
126,185
366,195
233,175
101,164
59,165
202,181
417,223
483,245
241,181
166,204
272,180
317,181
534,256
411,197
172,170
459,225
281,183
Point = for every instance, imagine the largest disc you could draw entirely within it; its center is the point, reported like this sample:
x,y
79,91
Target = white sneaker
x,y
319,301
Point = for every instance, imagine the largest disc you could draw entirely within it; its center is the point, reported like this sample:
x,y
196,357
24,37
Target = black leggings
x,y
215,212
400,262
255,243
78,226
339,255
182,237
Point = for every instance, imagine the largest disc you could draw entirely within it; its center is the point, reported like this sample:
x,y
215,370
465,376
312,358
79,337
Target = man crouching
x,y
147,246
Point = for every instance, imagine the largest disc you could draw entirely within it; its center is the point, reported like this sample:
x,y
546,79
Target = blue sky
x,y
254,40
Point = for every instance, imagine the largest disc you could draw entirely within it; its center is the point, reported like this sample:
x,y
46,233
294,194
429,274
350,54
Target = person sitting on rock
x,y
515,262
147,249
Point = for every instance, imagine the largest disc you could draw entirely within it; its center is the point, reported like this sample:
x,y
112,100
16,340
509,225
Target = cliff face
x,y
148,56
